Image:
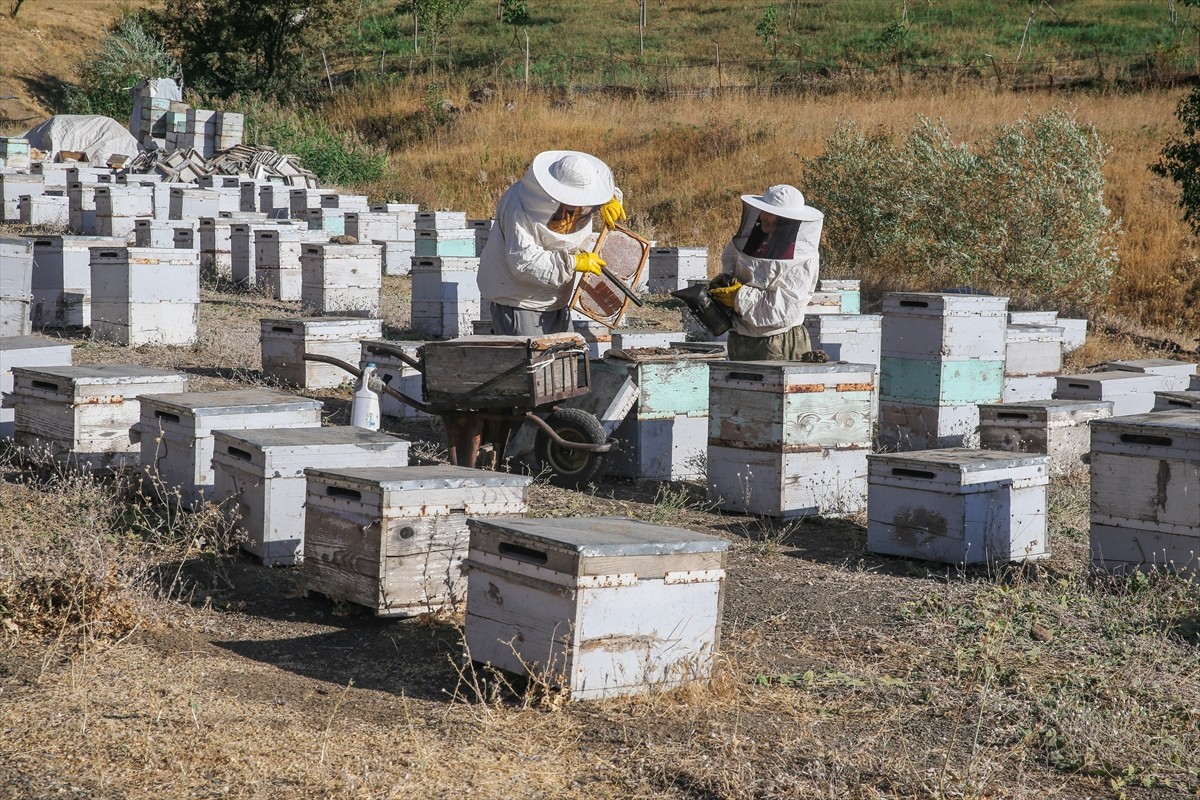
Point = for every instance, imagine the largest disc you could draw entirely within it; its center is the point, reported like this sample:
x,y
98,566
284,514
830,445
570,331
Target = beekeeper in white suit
x,y
540,239
769,275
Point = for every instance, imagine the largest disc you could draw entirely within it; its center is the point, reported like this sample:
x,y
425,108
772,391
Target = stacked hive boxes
x,y
393,539
62,279
14,186
443,233
483,230
1129,392
1145,476
787,439
394,227
86,415
598,607
341,278
957,505
14,152
277,259
45,209
671,268
145,295
177,432
1032,357
445,296
193,203
1057,428
117,207
16,281
285,341
853,338
848,291
262,471
942,355
26,351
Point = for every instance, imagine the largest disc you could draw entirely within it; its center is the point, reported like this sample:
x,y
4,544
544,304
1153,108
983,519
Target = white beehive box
x,y
193,203
445,296
84,174
262,472
670,268
821,303
397,255
145,295
285,341
597,335
367,226
153,233
44,210
346,202
16,279
1042,318
483,230
1130,392
849,290
599,607
913,426
301,200
1145,490
395,374
177,432
118,206
440,220
854,338
26,351
393,538
1057,428
86,415
1074,333
14,152
951,327
830,482
277,259
664,436
14,186
332,221
341,278
627,339
958,505
1176,401
1032,350
1024,388
1180,373
62,279
274,200
397,208
81,206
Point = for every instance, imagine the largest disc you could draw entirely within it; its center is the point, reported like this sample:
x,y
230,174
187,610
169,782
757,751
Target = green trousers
x,y
786,346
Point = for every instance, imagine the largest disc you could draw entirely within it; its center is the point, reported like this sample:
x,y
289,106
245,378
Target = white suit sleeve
x,y
527,256
782,300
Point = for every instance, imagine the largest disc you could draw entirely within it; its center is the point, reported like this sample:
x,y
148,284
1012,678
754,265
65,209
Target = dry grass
x,y
682,164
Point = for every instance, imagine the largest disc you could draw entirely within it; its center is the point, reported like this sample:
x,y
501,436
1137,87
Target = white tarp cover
x,y
98,136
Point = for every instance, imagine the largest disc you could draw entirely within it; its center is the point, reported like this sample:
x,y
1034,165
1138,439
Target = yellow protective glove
x,y
612,212
725,295
588,262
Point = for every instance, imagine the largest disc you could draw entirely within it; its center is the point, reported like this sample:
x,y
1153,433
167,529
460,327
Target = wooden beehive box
x,y
16,274
1176,401
285,341
440,220
599,607
1032,350
850,291
915,426
330,221
1074,333
26,351
1025,388
949,327
398,255
1033,318
145,295
393,538
670,268
261,471
177,432
628,338
87,415
1129,392
1180,373
153,233
193,203
44,210
395,373
1057,428
664,435
505,371
457,243
14,186
958,505
277,259
445,296
854,338
341,278
1145,472
787,484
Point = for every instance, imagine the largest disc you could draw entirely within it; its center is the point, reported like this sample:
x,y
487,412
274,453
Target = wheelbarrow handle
x,y
356,372
608,273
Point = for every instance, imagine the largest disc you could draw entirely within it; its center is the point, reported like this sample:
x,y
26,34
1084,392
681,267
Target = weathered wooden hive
x,y
787,439
341,278
44,209
1057,428
285,341
1032,358
483,231
452,242
394,538
1176,401
118,206
853,338
190,202
177,432
261,471
145,295
1145,489
599,607
26,351
445,296
1129,392
849,291
86,415
16,280
958,506
62,279
670,268
1180,373
14,186
277,259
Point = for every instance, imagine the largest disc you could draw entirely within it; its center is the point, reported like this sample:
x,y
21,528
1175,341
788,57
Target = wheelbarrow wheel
x,y
571,469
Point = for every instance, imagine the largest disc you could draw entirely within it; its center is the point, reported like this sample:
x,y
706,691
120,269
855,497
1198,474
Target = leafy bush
x,y
1179,159
1022,214
127,55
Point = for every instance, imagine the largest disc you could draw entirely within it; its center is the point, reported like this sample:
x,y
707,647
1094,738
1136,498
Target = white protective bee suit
x,y
527,266
778,273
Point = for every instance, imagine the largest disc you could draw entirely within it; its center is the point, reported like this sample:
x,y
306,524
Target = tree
x,y
128,54
768,28
1179,159
231,47
436,17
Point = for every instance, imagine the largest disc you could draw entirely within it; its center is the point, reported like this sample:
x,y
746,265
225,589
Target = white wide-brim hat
x,y
785,201
573,178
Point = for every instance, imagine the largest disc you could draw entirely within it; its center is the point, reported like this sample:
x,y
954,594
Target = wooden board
x,y
625,254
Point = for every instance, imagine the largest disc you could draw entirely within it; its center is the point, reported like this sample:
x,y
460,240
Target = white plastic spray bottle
x,y
364,412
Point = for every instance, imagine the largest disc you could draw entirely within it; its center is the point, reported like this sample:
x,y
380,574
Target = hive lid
x,y
246,401
1048,406
603,536
1184,421
414,478
262,438
104,373
964,460
31,342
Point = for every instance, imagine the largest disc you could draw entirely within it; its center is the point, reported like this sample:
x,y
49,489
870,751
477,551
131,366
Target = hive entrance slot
x,y
340,491
1147,439
521,553
168,416
746,376
238,452
903,472
1012,415
53,387
914,304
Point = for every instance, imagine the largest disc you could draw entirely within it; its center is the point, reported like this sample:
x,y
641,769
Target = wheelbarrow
x,y
487,389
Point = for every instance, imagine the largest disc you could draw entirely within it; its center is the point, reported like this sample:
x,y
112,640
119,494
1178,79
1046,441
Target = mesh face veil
x,y
568,219
781,240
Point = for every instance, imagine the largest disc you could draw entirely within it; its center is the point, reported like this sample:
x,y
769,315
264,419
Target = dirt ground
x,y
842,673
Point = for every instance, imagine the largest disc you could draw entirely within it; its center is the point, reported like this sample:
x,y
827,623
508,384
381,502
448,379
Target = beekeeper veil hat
x,y
573,178
796,232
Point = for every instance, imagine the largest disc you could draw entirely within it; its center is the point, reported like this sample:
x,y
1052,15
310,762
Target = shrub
x,y
1179,159
127,55
1021,214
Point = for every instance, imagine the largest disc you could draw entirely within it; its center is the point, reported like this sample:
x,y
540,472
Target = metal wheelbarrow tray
x,y
484,372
